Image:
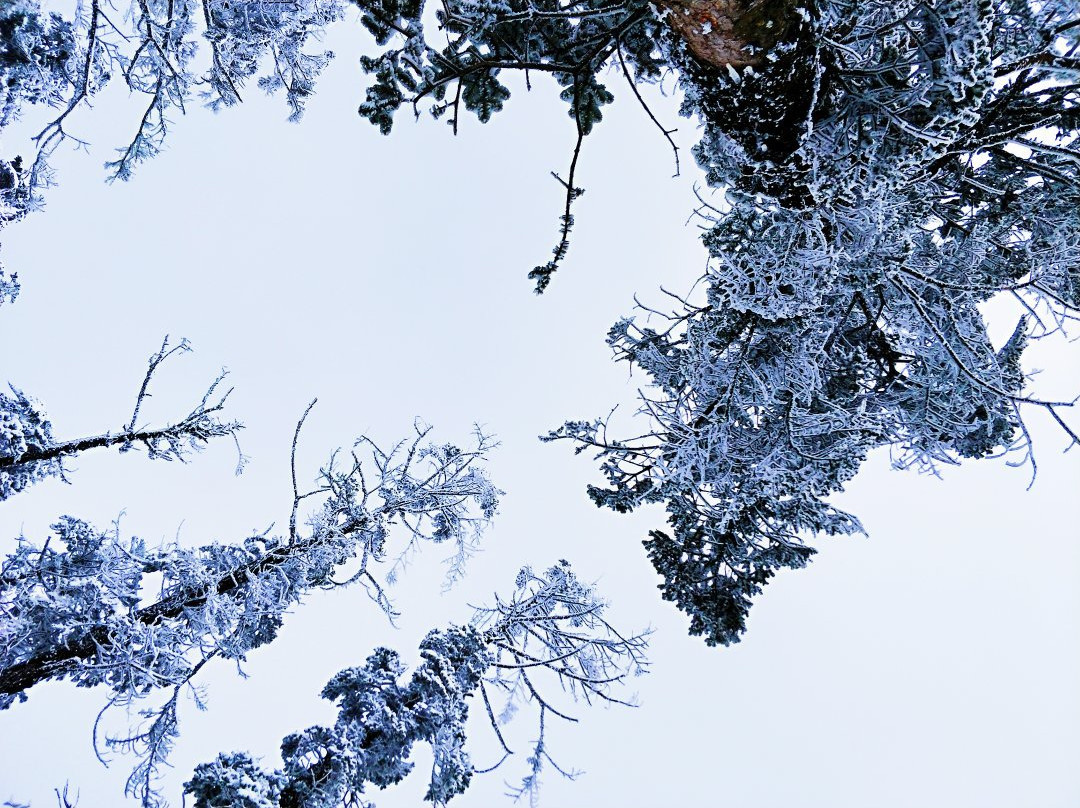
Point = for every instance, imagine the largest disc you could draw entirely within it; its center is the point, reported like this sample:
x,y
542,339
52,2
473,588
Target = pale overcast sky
x,y
933,664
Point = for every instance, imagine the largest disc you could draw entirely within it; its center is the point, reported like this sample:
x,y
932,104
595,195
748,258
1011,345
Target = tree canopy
x,y
877,174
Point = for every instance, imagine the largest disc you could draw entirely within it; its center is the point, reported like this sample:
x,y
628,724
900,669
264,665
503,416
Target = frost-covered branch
x,y
51,60
29,453
887,169
381,717
72,608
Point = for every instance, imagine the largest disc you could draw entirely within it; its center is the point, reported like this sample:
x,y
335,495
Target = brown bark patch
x,y
738,33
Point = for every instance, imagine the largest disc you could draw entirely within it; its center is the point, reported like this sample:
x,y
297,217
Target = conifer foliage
x,y
76,607
934,169
880,172
553,624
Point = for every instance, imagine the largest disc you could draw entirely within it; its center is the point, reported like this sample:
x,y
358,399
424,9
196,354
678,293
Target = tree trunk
x,y
730,33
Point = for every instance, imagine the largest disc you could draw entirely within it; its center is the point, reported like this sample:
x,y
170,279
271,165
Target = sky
x,y
933,663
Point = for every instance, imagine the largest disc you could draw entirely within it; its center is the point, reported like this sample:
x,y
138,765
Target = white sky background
x,y
935,664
